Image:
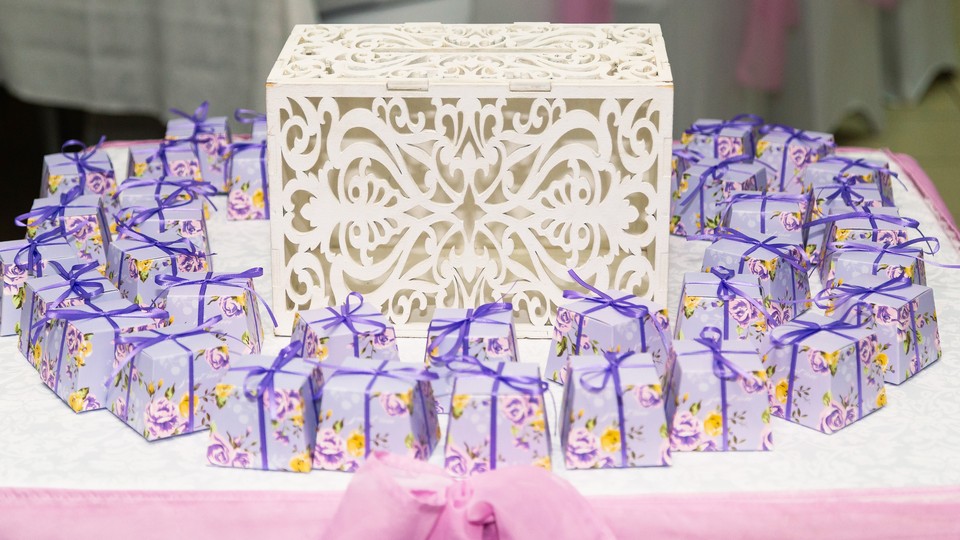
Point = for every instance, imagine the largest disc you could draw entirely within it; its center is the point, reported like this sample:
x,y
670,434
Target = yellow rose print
x,y
257,198
53,181
144,266
301,463
297,420
686,138
406,397
543,462
460,401
76,400
139,168
610,440
223,391
538,425
37,352
356,444
842,234
908,271
185,405
322,352
713,424
242,301
882,360
762,147
882,397
781,390
831,359
684,185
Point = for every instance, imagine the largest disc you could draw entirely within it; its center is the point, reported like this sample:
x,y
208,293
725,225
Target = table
x,y
894,471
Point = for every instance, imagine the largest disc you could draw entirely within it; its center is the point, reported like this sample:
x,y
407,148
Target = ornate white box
x,y
429,165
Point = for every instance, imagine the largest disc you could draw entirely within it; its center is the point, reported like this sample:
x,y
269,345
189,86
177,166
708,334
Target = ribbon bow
x,y
53,212
199,115
240,280
348,317
786,251
248,116
711,173
874,219
739,121
840,293
727,291
142,214
31,251
77,152
193,189
801,200
849,163
83,288
462,327
230,151
794,134
179,246
904,249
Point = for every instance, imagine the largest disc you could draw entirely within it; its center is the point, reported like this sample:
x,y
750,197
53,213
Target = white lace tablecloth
x,y
912,442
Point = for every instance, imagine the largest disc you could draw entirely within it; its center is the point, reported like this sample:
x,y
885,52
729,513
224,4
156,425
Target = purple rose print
x,y
310,343
686,431
498,348
582,449
120,352
665,456
230,307
120,407
13,277
887,238
218,451
217,358
799,154
241,459
239,204
132,271
866,350
98,183
211,144
757,268
281,437
585,345
455,462
392,404
184,168
766,439
46,374
790,221
752,384
284,403
833,418
191,228
81,227
661,320
741,311
564,321
515,408
729,147
384,340
330,450
161,418
894,271
817,362
646,396
776,314
73,339
191,263
886,315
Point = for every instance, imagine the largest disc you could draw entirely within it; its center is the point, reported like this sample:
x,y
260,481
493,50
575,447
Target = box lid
x,y
822,340
704,284
695,357
637,369
341,378
482,385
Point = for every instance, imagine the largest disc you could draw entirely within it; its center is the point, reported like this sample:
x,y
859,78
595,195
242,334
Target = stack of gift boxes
x,y
116,304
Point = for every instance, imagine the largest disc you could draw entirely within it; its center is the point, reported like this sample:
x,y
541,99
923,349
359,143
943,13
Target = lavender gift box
x,y
355,329
185,218
778,265
485,333
600,321
78,216
850,261
718,397
697,200
837,170
901,314
266,413
20,259
373,405
787,151
497,419
722,138
168,381
722,299
166,158
61,287
82,348
193,298
836,199
823,373
208,136
613,413
765,214
90,169
134,263
246,174
881,224
151,192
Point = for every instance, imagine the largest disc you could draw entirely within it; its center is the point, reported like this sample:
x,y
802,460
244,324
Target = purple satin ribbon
x,y
141,214
803,200
462,327
849,163
231,150
849,193
531,386
53,212
611,373
727,291
84,289
905,249
401,373
240,280
794,135
201,132
712,172
739,121
723,369
180,246
161,154
248,116
347,316
194,189
77,152
786,251
31,250
874,219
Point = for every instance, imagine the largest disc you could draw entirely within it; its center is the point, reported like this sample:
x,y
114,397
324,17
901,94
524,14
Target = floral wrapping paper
x,y
80,219
133,265
130,195
785,173
338,342
831,171
681,160
590,433
208,145
477,412
737,319
402,417
829,200
61,174
151,392
39,296
905,323
824,392
731,141
490,340
762,218
15,277
289,417
186,221
79,356
782,286
685,216
145,161
191,305
851,266
247,185
606,330
695,405
859,229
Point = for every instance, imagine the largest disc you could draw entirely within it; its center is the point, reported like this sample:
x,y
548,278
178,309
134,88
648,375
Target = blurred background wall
x,y
877,72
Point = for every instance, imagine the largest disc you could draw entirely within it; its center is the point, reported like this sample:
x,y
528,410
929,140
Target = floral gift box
x,y
901,314
152,192
599,321
208,136
89,169
770,213
193,298
720,298
134,263
266,413
355,329
718,396
836,199
182,217
82,349
613,414
878,224
779,265
681,160
61,287
485,333
20,259
77,214
850,261
497,418
823,373
838,170
167,381
722,138
787,151
247,181
697,200
372,405
164,159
